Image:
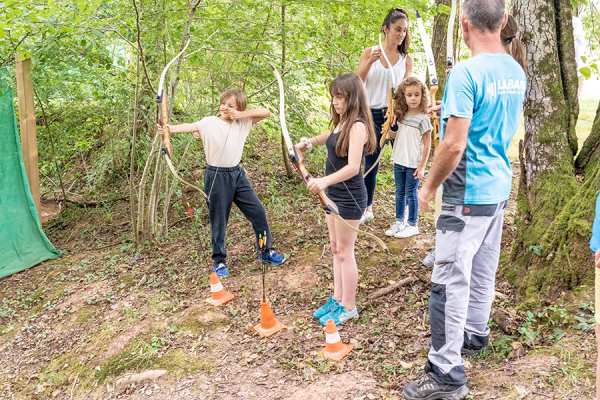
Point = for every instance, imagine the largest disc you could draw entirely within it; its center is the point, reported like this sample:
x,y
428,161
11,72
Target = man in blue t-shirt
x,y
481,110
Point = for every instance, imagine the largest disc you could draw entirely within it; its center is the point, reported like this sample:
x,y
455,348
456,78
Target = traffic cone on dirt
x,y
334,349
218,295
269,325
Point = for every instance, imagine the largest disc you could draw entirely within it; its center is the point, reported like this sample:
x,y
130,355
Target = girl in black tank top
x,y
346,146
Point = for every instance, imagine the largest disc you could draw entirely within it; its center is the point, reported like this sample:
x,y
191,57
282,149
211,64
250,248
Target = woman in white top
x,y
376,75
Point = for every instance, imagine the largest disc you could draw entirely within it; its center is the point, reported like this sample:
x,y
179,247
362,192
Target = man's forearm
x,y
448,154
445,161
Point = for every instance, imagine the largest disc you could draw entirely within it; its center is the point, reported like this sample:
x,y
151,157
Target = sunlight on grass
x,y
587,112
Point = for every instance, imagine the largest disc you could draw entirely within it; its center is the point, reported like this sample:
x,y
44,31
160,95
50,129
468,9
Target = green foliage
x,y
85,69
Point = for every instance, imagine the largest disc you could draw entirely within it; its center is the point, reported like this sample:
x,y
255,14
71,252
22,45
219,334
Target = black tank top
x,y
335,163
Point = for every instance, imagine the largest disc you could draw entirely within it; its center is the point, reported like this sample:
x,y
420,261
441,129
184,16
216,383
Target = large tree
x,y
555,200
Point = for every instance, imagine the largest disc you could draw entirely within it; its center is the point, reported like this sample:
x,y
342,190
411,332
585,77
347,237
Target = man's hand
x,y
598,259
426,195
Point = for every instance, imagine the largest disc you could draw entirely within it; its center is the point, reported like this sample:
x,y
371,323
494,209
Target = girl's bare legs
x,y
345,271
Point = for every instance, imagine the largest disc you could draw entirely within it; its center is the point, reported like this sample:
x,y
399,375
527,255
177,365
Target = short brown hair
x,y
240,98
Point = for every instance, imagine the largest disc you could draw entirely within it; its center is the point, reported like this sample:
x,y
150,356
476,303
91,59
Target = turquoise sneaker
x,y
326,308
339,315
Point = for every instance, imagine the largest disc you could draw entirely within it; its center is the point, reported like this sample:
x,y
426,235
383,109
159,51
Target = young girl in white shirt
x,y
410,152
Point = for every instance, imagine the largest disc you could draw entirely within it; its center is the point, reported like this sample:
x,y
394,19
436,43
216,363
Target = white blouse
x,y
379,81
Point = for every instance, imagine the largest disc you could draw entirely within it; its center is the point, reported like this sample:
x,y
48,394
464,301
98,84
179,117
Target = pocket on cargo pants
x,y
447,237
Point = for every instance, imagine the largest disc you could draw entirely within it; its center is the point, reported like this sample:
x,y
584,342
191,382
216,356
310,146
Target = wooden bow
x,y
296,159
163,121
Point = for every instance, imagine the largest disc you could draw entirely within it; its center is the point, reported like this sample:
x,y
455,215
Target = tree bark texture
x,y
548,181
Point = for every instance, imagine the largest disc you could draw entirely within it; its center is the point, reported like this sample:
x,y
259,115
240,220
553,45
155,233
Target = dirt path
x,y
76,324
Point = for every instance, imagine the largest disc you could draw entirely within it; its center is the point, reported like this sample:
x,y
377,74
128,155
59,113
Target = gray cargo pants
x,y
467,250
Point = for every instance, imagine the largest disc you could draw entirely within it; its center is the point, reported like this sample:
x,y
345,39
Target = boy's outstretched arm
x,y
257,114
181,128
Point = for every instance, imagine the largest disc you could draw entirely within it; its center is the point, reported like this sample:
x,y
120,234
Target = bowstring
x,y
335,169
220,155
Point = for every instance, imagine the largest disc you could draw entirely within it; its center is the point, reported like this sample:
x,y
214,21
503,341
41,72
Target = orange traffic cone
x,y
218,295
269,325
334,348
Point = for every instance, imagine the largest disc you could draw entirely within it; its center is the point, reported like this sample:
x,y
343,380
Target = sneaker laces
x,y
423,379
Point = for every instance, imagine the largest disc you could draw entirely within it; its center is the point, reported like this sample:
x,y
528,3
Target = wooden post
x,y
28,128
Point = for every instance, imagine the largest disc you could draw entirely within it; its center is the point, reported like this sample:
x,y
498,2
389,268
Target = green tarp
x,y
23,244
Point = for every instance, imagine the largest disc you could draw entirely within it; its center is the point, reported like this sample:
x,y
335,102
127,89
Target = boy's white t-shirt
x,y
408,145
223,142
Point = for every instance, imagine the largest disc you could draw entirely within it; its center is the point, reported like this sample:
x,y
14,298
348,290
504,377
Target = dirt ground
x,y
69,328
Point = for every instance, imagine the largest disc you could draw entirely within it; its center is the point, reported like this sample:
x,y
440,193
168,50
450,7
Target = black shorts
x,y
351,203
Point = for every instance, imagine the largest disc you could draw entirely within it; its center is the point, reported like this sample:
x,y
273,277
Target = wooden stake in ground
x,y
28,129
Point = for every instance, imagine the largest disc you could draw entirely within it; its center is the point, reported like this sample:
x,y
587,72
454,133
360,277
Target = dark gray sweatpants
x,y
227,186
467,250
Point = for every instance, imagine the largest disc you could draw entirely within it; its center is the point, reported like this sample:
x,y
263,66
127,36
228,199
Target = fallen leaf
x,y
406,365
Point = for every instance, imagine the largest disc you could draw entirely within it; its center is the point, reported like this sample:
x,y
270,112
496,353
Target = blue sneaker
x,y
221,269
339,315
326,308
272,257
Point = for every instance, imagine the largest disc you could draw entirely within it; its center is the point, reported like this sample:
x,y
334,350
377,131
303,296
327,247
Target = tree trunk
x,y
439,41
591,146
554,211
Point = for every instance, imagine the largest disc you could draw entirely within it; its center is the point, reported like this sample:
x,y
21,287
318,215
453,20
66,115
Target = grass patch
x,y
83,315
146,353
211,321
127,280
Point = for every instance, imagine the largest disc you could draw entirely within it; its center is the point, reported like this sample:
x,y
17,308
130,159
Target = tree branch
x,y
140,50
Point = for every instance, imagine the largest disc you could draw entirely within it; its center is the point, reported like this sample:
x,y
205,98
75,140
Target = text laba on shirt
x,y
506,86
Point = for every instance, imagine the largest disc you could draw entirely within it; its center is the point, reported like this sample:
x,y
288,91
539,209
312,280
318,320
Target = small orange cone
x,y
334,349
218,295
269,325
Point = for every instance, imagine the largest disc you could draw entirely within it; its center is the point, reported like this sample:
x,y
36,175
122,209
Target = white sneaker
x,y
395,228
366,216
409,231
429,260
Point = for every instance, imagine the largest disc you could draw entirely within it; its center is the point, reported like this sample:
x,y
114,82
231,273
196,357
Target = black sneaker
x,y
468,351
429,388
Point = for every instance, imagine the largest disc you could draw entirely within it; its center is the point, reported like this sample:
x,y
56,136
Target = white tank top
x,y
379,81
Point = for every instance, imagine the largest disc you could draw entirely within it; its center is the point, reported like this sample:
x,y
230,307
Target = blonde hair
x,y
401,108
240,98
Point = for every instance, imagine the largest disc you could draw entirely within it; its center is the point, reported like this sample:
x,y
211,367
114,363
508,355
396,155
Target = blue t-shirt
x,y
488,89
595,242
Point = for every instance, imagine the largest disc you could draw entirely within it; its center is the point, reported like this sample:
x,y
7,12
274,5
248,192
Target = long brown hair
x,y
401,108
351,88
511,42
391,18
